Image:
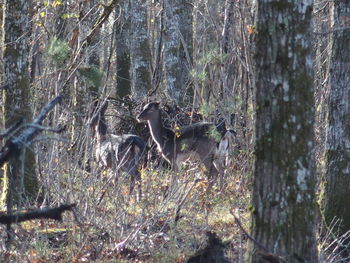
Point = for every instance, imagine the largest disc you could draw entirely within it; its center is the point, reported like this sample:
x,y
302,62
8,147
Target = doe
x,y
118,152
202,140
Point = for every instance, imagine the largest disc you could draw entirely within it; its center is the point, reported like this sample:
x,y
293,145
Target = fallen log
x,y
47,213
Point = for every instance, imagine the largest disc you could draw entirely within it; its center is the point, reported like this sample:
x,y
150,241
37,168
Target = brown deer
x,y
118,152
202,140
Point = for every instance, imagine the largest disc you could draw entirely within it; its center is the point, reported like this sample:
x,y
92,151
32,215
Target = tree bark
x,y
336,184
178,41
19,178
123,28
140,52
283,204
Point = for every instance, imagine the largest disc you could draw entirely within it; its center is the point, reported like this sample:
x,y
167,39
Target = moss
x,y
12,190
23,184
334,197
281,5
123,80
273,203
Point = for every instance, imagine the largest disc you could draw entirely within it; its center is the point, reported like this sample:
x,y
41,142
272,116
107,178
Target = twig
x,y
332,31
58,129
108,9
265,254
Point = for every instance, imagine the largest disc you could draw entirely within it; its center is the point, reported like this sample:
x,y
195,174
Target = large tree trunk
x,y
178,41
283,209
337,152
20,180
140,52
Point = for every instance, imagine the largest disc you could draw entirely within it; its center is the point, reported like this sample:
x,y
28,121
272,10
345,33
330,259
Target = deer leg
x,y
132,185
135,178
218,163
114,168
139,186
212,172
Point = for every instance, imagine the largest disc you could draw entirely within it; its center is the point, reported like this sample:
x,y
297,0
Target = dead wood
x,y
13,145
48,213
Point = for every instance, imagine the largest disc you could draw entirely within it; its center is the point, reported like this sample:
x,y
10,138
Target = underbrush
x,y
168,225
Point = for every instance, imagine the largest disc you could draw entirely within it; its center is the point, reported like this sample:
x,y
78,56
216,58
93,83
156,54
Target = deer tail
x,y
225,143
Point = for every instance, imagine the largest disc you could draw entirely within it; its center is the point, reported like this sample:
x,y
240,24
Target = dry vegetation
x,y
168,225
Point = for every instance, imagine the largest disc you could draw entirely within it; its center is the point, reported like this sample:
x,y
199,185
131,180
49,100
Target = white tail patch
x,y
224,145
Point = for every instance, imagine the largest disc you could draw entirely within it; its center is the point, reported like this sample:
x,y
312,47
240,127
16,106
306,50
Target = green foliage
x,y
200,76
183,146
70,15
92,76
213,133
212,57
206,109
57,52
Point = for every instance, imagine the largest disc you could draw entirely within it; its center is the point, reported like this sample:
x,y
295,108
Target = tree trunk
x,y
140,52
19,179
123,50
178,41
283,209
336,184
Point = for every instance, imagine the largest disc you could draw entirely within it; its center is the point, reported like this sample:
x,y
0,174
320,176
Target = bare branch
x,y
11,129
264,253
48,213
58,129
13,146
108,9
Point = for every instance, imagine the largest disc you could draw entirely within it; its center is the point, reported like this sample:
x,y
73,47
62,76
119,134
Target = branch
x,y
331,31
11,129
58,129
49,213
264,253
108,9
13,145
28,134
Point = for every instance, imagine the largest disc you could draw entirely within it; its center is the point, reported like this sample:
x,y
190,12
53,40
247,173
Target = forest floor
x,y
172,222
169,224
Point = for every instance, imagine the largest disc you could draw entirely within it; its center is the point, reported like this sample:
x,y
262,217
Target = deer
x,y
205,141
124,152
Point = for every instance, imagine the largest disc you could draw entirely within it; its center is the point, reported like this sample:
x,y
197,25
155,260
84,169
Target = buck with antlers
x,y
117,152
205,141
